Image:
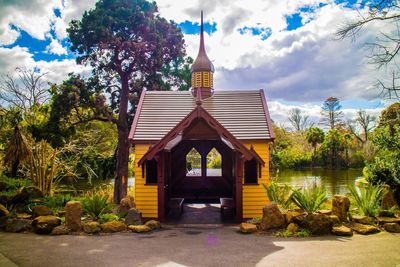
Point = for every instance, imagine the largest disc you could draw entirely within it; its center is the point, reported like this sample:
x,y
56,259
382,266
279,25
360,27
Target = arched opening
x,y
193,163
214,163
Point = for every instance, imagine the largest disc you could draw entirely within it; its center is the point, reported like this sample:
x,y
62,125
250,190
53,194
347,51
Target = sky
x,y
286,47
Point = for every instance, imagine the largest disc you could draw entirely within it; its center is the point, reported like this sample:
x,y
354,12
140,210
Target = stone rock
x,y
125,205
392,227
60,230
388,199
342,231
139,228
17,225
153,224
3,211
247,228
45,224
91,227
325,212
335,219
316,223
292,228
24,216
290,215
363,219
364,229
41,210
383,220
25,193
340,207
3,221
73,213
113,226
134,217
272,217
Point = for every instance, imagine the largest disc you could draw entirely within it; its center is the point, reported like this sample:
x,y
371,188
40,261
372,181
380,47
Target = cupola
x,y
202,69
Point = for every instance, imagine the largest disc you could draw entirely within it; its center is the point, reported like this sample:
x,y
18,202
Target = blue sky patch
x,y
37,47
293,21
263,32
57,12
189,27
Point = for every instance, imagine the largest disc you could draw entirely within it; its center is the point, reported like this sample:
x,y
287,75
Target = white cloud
x,y
56,71
55,47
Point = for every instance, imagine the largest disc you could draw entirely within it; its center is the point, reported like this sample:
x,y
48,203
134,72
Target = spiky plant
x,y
18,150
309,198
96,205
278,193
367,198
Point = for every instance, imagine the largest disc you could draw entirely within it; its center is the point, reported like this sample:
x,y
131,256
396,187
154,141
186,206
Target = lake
x,y
334,181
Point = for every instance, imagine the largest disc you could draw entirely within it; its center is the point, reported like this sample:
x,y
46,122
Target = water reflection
x,y
334,181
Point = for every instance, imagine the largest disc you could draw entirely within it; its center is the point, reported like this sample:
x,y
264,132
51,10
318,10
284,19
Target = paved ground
x,y
197,247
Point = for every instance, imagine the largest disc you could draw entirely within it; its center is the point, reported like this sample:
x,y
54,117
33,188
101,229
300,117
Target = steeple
x,y
202,69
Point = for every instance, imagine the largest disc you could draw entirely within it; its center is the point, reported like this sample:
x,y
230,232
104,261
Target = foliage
x,y
367,198
96,205
103,218
385,168
309,198
315,136
44,167
280,194
214,159
300,233
57,202
13,184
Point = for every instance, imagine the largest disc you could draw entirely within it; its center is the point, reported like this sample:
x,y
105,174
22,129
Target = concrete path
x,y
198,247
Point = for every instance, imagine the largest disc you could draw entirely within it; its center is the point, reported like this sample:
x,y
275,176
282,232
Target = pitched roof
x,y
199,113
243,113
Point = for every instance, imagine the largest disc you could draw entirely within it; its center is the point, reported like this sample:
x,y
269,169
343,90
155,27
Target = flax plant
x,y
309,198
367,198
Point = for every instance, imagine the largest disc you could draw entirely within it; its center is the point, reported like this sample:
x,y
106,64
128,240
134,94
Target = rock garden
x,y
368,209
27,209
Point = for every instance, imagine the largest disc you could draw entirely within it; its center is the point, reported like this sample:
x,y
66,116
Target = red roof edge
x,y
267,116
197,112
137,114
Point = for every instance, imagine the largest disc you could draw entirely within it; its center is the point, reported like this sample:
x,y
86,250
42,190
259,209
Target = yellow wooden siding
x,y
254,196
146,196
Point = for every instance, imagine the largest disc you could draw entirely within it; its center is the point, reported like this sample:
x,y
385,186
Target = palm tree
x,y
314,137
18,151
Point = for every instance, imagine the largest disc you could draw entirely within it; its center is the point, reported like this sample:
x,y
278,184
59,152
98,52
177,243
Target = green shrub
x,y
13,184
280,194
255,220
367,198
285,233
310,198
57,202
96,205
103,218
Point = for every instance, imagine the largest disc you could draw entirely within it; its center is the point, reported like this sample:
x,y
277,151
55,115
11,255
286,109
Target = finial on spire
x,y
202,48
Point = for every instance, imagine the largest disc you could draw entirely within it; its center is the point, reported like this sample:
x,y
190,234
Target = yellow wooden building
x,y
177,135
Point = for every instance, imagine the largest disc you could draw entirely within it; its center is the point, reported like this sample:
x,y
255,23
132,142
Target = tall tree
x,y
385,48
331,112
315,136
127,43
299,121
364,122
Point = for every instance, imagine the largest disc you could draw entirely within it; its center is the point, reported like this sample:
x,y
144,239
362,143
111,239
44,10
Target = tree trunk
x,y
121,179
